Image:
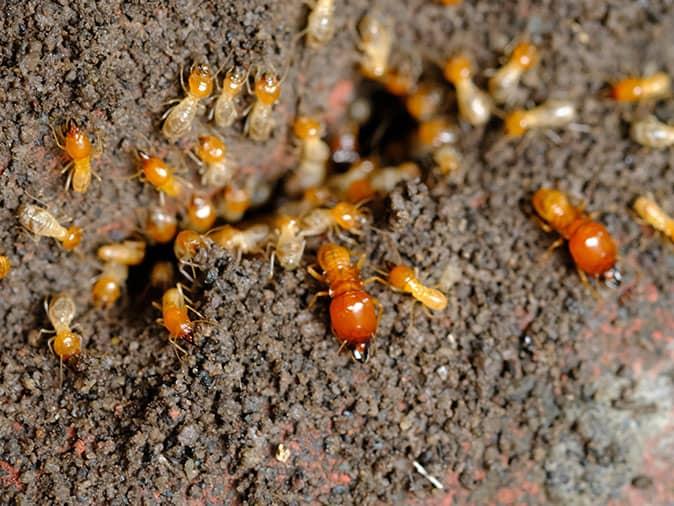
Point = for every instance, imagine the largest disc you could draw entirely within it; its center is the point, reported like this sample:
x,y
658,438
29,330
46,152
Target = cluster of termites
x,y
324,210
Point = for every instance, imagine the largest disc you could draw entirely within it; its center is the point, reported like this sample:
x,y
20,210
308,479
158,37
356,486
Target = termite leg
x,y
315,297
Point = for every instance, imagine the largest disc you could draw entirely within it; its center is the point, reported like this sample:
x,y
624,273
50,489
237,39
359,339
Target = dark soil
x,y
525,390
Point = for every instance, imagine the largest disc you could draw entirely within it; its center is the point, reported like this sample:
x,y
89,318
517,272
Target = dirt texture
x,y
526,390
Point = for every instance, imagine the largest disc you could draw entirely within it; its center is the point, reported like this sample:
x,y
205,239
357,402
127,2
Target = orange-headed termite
x,y
475,106
649,211
180,117
241,241
215,168
127,252
550,114
161,225
313,159
41,222
260,121
160,175
5,266
404,279
634,89
201,213
225,111
290,244
75,142
344,215
503,83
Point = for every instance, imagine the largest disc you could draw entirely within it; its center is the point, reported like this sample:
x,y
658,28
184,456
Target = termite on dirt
x,y
652,133
403,278
550,114
314,156
65,344
354,314
5,266
260,121
475,106
649,211
241,241
290,244
225,111
126,252
161,225
161,176
343,215
200,213
376,42
215,167
426,101
593,249
381,182
175,317
438,136
186,246
108,286
75,142
311,199
633,89
178,120
42,223
504,82
321,22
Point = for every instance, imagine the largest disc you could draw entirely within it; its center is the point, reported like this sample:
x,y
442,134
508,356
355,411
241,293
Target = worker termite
x,y
426,101
5,266
550,114
241,241
381,181
634,89
376,41
313,159
77,146
344,215
180,117
652,133
175,317
321,22
127,252
260,121
161,176
403,278
41,222
201,213
215,168
354,314
503,83
437,136
186,246
235,201
65,344
108,286
312,198
161,225
289,246
593,249
649,211
475,106
225,111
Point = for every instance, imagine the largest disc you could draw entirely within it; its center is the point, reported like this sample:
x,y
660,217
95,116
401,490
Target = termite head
x,y
234,80
360,352
525,55
66,345
268,88
458,69
76,142
210,149
307,128
349,216
553,206
154,169
515,123
200,82
73,238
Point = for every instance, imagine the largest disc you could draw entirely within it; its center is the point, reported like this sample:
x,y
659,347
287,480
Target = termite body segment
x,y
321,23
313,159
475,106
260,121
633,89
550,114
180,117
649,211
504,82
41,222
225,110
403,278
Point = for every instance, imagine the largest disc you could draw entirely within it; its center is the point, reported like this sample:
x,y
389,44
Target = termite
x,y
652,133
354,314
475,106
160,175
344,215
376,41
593,249
340,183
290,244
504,82
634,89
65,344
313,159
381,181
312,198
126,253
550,114
649,211
201,213
216,169
260,121
321,23
404,279
108,286
161,225
41,222
235,201
438,136
426,101
186,246
78,147
175,317
225,111
5,266
241,241
180,117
